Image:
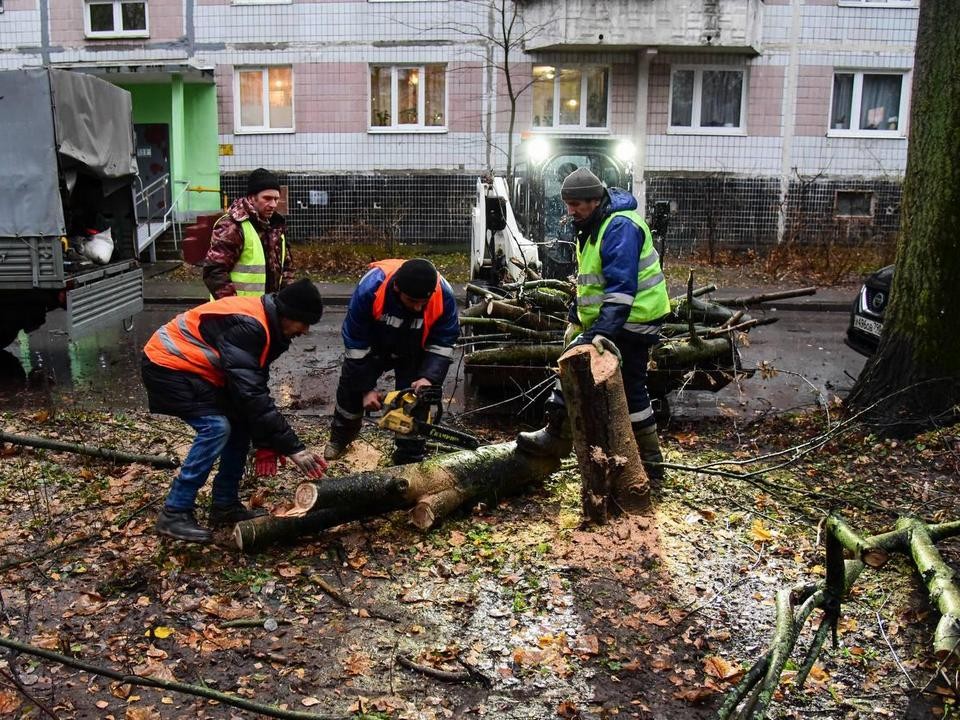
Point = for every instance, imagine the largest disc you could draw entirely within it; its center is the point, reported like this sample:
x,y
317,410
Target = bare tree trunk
x,y
915,373
613,477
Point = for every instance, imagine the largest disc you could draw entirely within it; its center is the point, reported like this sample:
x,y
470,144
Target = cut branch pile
x,y
752,696
521,325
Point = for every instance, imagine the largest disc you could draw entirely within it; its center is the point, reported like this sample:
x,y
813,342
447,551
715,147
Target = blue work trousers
x,y
217,437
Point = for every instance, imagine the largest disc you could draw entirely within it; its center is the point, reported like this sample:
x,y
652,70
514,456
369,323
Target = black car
x,y
866,315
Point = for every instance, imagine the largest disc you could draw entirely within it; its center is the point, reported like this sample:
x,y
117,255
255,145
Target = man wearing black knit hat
x,y
210,366
402,316
248,253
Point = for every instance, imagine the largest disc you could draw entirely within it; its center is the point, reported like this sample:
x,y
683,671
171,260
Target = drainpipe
x,y
45,31
640,128
788,112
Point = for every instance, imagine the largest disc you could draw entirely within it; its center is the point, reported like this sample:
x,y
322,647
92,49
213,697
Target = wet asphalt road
x,y
805,348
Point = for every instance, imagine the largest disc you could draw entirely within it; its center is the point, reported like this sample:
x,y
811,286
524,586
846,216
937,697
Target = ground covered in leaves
x,y
534,615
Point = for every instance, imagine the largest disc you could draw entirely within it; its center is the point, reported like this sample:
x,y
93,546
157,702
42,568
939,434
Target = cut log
x,y
490,472
533,355
684,353
548,299
504,326
613,477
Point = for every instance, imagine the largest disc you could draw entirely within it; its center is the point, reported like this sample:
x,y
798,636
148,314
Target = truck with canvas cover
x,y
68,223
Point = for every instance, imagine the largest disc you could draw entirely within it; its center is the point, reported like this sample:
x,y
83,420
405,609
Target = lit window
x,y
264,100
115,18
867,103
405,97
570,97
708,100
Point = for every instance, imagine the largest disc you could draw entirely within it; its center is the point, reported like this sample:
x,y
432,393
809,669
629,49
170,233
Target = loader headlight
x,y
538,150
625,151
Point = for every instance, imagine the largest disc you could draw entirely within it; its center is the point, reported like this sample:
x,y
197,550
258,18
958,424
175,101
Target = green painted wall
x,y
191,111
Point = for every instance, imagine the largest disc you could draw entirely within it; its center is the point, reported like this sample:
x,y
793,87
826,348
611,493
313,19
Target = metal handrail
x,y
145,194
173,207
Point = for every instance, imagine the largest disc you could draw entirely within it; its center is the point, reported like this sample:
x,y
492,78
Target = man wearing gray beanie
x,y
621,303
248,253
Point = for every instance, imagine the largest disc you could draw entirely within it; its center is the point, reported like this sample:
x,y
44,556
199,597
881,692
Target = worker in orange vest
x,y
403,317
209,366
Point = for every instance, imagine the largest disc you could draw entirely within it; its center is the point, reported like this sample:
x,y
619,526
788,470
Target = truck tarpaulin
x,y
46,112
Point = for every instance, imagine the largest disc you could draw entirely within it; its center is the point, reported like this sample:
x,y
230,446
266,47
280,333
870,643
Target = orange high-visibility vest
x,y
178,345
434,306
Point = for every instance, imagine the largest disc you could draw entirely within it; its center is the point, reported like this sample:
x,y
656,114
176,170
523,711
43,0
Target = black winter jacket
x,y
245,399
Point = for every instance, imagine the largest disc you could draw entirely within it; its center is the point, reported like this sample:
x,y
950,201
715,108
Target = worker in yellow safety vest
x,y
248,253
621,303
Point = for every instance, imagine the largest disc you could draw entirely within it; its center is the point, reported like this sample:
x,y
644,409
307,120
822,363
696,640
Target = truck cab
x,y
67,149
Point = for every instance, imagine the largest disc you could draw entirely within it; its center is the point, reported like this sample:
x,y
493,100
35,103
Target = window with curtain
x,y
570,97
408,97
867,102
264,100
115,18
707,100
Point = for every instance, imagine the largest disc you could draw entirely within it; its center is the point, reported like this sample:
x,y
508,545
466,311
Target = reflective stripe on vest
x,y
178,345
431,312
651,301
249,273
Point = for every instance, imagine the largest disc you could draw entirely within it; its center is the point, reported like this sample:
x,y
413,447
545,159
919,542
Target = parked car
x,y
866,315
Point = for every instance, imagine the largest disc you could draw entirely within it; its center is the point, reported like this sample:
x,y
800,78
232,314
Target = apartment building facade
x,y
760,120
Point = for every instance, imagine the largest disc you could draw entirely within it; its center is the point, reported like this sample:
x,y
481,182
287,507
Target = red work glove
x,y
265,462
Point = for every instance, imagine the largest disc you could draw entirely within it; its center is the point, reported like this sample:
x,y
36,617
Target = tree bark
x,y
613,477
914,377
492,471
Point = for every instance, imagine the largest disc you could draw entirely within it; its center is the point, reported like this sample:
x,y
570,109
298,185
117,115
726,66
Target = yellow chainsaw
x,y
407,412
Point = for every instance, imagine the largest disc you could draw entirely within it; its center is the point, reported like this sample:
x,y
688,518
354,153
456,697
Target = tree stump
x,y
613,477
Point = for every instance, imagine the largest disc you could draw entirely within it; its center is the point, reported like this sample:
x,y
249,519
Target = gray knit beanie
x,y
582,184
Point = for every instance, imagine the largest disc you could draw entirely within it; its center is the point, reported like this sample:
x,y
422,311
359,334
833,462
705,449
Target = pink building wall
x,y
658,98
623,98
765,100
20,5
814,85
164,20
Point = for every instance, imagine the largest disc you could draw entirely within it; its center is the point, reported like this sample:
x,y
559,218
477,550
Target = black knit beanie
x,y
582,184
260,180
300,301
416,278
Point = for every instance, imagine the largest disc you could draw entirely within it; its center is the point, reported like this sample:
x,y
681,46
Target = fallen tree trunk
x,y
613,477
504,326
159,461
492,471
767,297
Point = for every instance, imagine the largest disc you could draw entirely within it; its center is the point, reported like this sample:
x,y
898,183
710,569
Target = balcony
x,y
617,25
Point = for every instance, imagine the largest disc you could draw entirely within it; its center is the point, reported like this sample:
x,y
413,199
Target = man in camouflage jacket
x,y
222,273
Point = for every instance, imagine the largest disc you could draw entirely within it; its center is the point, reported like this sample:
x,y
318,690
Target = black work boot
x,y
407,451
649,446
182,525
552,440
221,515
343,432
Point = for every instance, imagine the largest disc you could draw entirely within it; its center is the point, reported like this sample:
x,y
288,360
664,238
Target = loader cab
x,y
543,164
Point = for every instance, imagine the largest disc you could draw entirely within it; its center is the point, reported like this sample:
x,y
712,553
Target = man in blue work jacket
x,y
402,316
620,305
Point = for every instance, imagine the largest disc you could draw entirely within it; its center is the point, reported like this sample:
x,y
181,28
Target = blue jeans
x,y
216,437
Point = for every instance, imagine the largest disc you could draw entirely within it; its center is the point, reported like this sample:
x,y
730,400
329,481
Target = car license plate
x,y
868,326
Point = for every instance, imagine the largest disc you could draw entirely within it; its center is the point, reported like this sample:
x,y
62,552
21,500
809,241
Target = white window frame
x,y
857,99
239,129
878,3
89,32
694,128
419,127
581,127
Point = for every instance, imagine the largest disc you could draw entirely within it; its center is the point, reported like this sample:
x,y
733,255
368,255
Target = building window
x,y
570,97
867,103
853,203
115,18
408,97
707,100
264,100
